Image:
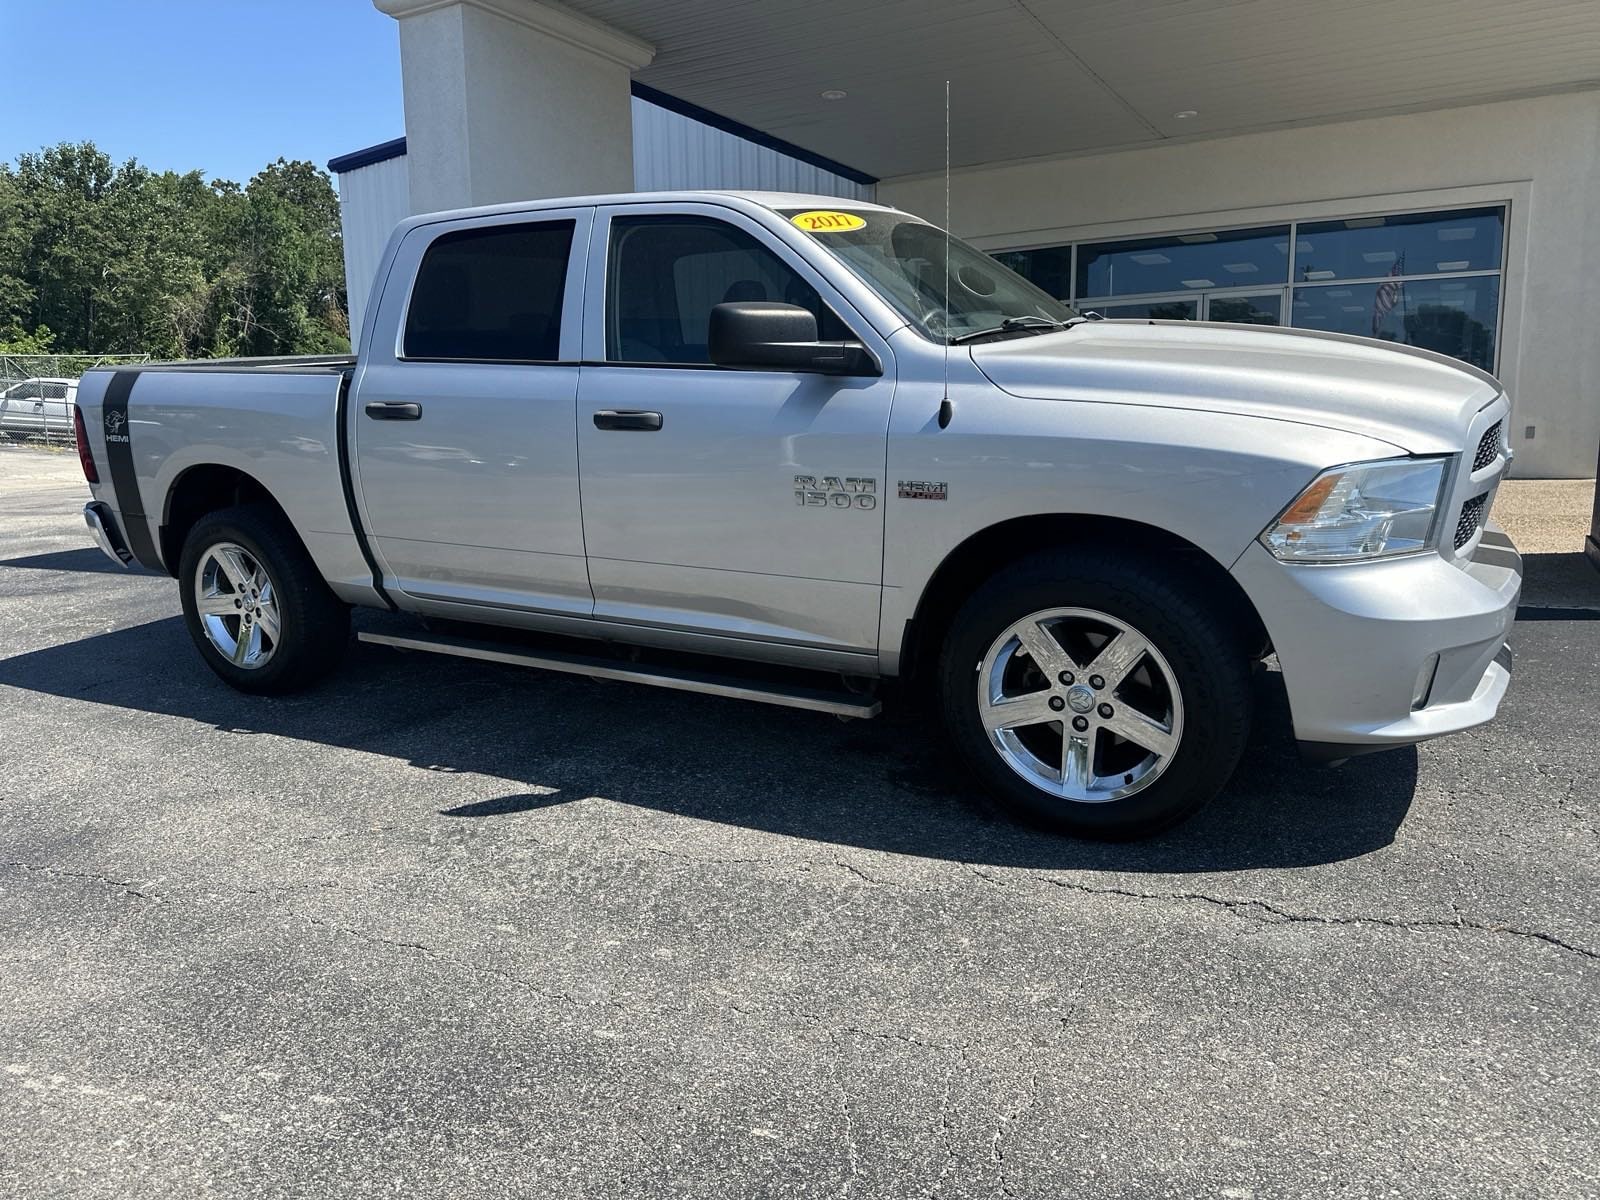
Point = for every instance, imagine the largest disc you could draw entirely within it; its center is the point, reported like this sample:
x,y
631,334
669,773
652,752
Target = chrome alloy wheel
x,y
237,605
1080,704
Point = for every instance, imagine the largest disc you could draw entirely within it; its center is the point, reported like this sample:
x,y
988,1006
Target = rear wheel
x,y
255,605
1096,694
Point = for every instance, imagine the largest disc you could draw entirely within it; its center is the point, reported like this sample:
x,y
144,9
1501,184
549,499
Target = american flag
x,y
1388,294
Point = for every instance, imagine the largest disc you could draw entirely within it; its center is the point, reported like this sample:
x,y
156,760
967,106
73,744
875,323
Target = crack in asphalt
x,y
1272,914
57,872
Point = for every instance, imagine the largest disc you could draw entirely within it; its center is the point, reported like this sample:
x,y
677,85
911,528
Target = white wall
x,y
672,152
1541,156
372,201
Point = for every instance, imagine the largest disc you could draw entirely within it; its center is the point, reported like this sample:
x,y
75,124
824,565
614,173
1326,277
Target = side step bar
x,y
841,704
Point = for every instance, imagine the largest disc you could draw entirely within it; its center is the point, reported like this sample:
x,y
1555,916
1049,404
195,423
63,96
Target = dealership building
x,y
1425,171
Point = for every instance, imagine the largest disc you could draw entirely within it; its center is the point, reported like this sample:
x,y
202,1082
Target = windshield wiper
x,y
1010,325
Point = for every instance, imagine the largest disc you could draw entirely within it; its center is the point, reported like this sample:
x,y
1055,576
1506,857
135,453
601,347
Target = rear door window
x,y
491,295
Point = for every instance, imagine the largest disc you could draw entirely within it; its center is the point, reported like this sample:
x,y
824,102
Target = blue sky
x,y
223,86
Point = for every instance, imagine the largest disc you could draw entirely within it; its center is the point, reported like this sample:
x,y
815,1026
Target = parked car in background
x,y
823,436
37,408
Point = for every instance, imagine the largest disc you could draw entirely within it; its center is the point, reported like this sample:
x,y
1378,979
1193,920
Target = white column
x,y
513,100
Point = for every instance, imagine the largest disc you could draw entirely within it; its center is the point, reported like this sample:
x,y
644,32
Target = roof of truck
x,y
770,200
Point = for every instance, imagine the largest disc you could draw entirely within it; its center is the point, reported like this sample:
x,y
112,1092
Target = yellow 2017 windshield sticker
x,y
821,221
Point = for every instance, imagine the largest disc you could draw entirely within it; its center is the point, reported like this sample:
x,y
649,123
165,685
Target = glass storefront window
x,y
1185,262
1427,279
1152,310
1453,316
1049,269
1408,244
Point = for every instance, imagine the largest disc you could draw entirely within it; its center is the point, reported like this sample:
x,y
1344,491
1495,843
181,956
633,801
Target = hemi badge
x,y
921,489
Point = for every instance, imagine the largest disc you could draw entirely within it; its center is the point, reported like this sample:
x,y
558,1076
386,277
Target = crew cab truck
x,y
826,438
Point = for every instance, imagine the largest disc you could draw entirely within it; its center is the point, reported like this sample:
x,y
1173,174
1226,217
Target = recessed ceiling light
x,y
1457,264
834,94
1194,239
1186,114
1198,283
1150,259
1244,268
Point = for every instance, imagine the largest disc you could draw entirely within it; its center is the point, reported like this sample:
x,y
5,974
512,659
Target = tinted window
x,y
1228,258
491,294
668,272
1153,310
1049,269
26,391
1405,244
55,391
1453,316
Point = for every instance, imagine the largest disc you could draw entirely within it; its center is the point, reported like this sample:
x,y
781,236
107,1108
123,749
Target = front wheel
x,y
255,606
1096,694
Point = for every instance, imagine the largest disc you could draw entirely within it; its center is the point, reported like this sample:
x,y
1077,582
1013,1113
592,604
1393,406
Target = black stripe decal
x,y
341,422
124,480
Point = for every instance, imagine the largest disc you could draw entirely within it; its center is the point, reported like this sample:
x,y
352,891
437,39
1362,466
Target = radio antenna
x,y
946,409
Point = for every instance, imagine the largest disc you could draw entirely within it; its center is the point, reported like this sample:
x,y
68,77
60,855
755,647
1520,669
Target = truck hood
x,y
1417,400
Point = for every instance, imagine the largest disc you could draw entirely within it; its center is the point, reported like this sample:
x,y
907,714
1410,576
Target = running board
x,y
840,704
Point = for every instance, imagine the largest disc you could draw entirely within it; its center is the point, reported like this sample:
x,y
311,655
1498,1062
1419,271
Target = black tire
x,y
314,623
1203,648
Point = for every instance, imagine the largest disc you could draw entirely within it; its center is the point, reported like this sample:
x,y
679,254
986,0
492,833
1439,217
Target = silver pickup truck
x,y
785,448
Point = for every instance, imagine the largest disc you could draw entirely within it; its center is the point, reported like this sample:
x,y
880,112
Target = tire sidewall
x,y
309,638
1211,675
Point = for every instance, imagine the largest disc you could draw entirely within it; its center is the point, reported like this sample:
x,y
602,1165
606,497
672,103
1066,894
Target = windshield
x,y
902,259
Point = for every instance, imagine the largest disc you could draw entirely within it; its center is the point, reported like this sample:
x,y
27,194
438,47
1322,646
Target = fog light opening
x,y
1419,694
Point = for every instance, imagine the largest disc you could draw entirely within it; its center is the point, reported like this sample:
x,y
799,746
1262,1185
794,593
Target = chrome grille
x,y
1471,518
1489,446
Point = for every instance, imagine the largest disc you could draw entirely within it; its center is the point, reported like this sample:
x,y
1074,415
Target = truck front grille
x,y
1489,446
1472,514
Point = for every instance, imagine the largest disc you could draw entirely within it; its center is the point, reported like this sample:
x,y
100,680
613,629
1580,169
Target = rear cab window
x,y
491,294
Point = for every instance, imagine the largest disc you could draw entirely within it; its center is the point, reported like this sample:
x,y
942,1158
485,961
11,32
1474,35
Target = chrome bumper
x,y
97,516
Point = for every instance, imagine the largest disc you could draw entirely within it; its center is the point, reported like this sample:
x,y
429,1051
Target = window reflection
x,y
1406,244
1049,269
1153,310
1185,262
1423,279
1453,316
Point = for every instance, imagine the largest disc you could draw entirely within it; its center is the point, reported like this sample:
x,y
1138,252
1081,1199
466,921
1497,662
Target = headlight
x,y
1367,510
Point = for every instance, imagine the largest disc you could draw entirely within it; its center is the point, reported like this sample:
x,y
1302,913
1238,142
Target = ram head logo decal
x,y
115,421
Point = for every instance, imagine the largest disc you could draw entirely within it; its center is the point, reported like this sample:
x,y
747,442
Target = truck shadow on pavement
x,y
886,784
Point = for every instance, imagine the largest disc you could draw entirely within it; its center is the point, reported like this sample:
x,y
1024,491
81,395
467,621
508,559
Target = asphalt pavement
x,y
440,928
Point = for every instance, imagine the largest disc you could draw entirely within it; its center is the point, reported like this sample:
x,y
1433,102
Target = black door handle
x,y
394,410
611,418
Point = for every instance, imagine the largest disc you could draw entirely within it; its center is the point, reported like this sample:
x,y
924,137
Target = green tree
x,y
125,260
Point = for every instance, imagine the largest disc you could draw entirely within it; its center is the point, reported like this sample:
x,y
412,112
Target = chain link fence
x,y
37,392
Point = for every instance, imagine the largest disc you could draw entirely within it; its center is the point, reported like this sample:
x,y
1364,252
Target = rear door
x,y
736,504
463,415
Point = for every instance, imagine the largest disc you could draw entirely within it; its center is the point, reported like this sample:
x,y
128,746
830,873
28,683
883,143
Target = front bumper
x,y
1356,641
103,524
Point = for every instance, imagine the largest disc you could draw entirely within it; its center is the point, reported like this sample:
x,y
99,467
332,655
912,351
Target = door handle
x,y
631,418
394,410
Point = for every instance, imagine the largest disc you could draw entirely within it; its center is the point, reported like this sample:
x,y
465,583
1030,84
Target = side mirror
x,y
760,335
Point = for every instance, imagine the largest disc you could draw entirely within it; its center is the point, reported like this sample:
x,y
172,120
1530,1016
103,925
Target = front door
x,y
737,504
463,417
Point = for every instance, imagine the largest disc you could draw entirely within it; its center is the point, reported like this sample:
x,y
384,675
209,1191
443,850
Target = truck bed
x,y
159,430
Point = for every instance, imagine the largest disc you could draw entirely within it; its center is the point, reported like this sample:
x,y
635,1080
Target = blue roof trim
x,y
717,121
357,159
384,151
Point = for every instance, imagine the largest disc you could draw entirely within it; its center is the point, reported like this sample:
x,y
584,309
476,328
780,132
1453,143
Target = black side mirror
x,y
760,335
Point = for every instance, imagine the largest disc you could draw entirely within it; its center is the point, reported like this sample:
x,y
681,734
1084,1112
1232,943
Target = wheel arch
x,y
202,489
991,549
